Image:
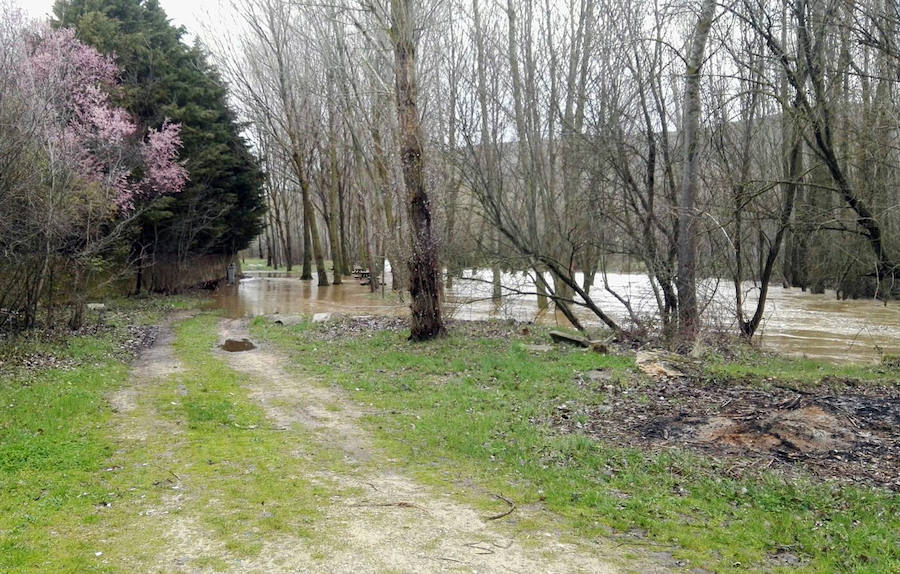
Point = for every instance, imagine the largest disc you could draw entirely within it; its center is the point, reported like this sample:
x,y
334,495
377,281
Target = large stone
x,y
563,337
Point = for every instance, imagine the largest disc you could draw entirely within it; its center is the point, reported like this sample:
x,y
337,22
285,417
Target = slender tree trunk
x,y
306,272
310,217
76,320
342,232
366,241
496,276
334,238
424,275
333,234
686,282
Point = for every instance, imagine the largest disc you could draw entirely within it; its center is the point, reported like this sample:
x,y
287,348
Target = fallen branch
x,y
478,546
400,504
508,511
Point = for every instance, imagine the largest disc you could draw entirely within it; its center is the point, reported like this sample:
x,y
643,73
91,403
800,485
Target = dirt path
x,y
397,524
154,364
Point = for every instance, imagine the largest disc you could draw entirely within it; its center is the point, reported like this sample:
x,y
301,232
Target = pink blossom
x,y
163,173
70,84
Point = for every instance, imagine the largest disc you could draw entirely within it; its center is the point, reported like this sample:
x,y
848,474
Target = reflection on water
x,y
795,323
283,293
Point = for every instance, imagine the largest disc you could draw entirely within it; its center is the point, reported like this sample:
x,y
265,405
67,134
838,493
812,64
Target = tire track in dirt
x,y
398,524
154,364
136,423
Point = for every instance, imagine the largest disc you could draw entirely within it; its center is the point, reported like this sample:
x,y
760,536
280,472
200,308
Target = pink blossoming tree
x,y
84,171
71,83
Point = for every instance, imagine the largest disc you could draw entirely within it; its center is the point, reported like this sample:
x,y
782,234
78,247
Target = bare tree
x,y
424,276
686,282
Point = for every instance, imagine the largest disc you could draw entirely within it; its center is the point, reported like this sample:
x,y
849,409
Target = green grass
x,y
754,366
469,408
463,409
53,449
245,471
74,484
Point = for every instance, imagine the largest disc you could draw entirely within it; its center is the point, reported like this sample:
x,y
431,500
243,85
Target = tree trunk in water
x,y
333,235
542,301
686,282
306,272
314,236
342,235
424,276
366,241
271,240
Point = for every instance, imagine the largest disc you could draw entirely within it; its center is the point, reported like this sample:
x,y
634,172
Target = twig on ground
x,y
441,558
508,511
169,470
399,504
478,546
793,389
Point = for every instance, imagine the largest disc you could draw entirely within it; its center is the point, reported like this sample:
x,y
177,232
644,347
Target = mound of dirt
x,y
842,430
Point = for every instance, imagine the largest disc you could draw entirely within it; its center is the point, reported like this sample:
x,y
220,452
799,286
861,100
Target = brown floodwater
x,y
796,323
283,293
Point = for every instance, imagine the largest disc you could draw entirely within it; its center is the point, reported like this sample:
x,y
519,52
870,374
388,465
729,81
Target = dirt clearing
x,y
841,430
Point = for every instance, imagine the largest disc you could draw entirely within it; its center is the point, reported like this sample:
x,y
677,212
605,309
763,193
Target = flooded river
x,y
796,323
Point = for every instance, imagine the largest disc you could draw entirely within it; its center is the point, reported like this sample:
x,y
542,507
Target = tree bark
x,y
424,276
686,282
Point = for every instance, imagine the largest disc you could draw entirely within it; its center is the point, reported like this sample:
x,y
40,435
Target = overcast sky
x,y
192,14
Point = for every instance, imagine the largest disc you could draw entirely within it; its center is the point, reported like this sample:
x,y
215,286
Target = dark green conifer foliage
x,y
220,211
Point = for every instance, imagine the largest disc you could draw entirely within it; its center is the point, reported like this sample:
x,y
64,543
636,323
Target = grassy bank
x,y
476,406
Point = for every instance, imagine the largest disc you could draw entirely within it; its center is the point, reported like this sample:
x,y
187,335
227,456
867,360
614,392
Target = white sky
x,y
192,14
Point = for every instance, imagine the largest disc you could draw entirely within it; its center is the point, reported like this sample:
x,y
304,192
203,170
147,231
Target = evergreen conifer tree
x,y
220,210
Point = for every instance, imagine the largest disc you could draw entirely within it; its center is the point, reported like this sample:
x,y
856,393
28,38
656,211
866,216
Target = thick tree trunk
x,y
310,217
424,276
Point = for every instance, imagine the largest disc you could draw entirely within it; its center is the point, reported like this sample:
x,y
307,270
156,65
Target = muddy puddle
x,y
796,323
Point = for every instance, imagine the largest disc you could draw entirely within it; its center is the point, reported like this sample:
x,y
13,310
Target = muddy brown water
x,y
796,323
